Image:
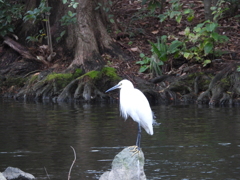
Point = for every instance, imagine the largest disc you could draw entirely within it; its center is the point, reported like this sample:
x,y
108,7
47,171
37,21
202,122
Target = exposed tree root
x,y
79,89
216,92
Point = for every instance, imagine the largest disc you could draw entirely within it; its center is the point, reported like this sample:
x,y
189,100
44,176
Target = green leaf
x,y
198,27
70,13
174,46
190,18
146,60
208,48
187,31
211,27
160,63
215,36
155,49
219,38
187,11
10,29
75,5
140,62
187,55
142,55
174,13
206,62
213,8
112,21
143,68
130,43
179,18
238,69
58,39
62,33
162,17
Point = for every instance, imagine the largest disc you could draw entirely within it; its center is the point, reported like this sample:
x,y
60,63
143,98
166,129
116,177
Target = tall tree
x,y
86,39
89,36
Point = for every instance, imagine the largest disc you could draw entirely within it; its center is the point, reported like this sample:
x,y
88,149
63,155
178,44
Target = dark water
x,y
192,142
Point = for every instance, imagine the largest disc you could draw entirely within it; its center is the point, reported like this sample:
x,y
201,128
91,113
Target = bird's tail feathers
x,y
155,123
153,115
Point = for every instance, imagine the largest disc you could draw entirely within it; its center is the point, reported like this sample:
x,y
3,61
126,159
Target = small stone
x,y
15,173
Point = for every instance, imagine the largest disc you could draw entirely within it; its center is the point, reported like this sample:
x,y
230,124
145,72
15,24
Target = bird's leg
x,y
136,149
139,136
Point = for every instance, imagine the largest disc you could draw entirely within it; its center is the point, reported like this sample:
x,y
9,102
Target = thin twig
x,y
72,163
46,173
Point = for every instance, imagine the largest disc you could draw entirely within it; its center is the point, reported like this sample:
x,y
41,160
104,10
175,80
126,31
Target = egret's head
x,y
122,84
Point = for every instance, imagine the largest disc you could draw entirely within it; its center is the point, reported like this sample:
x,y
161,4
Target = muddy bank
x,y
26,82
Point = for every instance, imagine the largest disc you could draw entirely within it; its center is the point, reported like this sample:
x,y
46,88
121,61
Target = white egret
x,y
133,103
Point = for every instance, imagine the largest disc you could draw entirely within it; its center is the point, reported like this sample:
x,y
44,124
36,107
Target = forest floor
x,y
138,29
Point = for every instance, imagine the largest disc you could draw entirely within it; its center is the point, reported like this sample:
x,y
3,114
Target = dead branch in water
x,y
69,174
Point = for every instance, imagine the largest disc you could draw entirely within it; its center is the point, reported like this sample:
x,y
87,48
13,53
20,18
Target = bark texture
x,y
88,36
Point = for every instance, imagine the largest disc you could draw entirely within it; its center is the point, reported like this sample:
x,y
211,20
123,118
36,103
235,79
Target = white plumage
x,y
133,103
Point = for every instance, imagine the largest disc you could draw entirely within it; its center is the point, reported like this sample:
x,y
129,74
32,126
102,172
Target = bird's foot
x,y
135,149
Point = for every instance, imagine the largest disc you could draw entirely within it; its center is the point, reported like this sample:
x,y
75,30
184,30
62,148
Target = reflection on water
x,y
191,142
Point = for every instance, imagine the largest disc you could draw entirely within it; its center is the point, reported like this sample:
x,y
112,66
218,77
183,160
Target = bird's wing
x,y
136,105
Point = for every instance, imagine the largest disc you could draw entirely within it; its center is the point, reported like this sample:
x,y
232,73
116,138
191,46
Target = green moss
x,y
110,72
106,71
92,74
62,79
58,76
78,72
64,76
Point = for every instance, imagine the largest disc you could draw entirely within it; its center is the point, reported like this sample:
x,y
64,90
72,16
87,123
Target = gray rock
x,y
2,177
126,166
15,173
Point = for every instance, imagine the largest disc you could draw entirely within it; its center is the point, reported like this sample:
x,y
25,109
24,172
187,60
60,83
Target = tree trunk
x,y
207,8
86,40
89,36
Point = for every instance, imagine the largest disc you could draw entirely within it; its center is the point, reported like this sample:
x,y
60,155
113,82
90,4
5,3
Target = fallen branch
x,y
22,50
46,173
69,174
